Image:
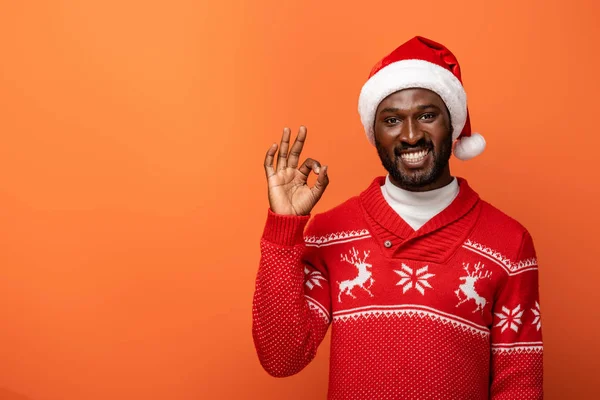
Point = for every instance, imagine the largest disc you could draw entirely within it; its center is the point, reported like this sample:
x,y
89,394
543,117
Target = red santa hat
x,y
422,63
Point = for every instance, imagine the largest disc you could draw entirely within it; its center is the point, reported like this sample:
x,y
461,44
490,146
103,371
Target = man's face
x,y
413,136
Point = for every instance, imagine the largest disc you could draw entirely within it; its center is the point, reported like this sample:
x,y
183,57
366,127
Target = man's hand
x,y
289,193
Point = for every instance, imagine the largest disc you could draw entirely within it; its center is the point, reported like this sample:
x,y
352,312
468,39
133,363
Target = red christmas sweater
x,y
450,311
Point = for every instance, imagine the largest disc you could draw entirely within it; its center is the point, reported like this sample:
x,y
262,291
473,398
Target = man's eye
x,y
427,116
392,120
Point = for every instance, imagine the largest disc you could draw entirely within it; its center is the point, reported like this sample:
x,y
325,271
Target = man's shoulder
x,y
502,239
494,217
344,216
348,216
498,232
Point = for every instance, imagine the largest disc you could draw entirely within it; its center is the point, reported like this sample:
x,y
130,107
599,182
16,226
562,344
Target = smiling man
x,y
431,292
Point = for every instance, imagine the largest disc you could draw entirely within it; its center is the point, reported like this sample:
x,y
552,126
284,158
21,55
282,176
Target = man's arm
x,y
291,308
517,351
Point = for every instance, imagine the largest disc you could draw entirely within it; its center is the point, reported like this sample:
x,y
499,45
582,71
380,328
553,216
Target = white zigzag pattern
x,y
341,237
518,350
313,306
410,313
511,266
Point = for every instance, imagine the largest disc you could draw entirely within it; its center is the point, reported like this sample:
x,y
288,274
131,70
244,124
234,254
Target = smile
x,y
414,157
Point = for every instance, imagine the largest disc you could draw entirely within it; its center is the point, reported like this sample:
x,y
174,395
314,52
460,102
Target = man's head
x,y
413,136
416,71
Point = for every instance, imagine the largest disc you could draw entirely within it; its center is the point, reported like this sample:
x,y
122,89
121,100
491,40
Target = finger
x,y
283,149
296,150
269,170
321,183
309,165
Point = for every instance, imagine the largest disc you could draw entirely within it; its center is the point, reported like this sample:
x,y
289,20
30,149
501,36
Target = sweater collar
x,y
378,208
430,199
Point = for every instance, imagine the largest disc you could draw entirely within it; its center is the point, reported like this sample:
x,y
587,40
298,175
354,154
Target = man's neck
x,y
416,208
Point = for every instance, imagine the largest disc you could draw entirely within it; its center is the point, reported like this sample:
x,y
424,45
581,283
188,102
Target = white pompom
x,y
469,147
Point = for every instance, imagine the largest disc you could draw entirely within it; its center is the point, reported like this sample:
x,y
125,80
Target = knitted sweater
x,y
450,311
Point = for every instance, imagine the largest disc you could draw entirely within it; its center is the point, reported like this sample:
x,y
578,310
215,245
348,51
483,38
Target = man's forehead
x,y
412,98
413,93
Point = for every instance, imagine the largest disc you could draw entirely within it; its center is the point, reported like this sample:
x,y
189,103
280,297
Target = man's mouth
x,y
414,156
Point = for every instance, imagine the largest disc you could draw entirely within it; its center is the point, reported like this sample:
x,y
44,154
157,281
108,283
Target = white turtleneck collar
x,y
416,208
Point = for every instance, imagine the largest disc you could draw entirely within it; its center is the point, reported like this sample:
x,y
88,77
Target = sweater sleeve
x,y
517,351
291,305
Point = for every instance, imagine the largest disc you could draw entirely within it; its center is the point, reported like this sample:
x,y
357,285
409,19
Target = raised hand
x,y
289,193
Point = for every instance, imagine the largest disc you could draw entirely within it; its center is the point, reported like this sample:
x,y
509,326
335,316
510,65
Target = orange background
x,y
132,195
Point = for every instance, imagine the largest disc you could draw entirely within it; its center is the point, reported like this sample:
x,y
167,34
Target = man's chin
x,y
412,179
415,174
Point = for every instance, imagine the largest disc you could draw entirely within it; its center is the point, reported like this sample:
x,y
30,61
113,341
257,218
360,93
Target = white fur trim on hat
x,y
469,146
407,74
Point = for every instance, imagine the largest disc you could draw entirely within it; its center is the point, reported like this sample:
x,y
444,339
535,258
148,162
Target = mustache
x,y
421,144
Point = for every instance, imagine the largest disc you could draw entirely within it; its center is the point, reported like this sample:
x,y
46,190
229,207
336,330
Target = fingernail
x,y
317,169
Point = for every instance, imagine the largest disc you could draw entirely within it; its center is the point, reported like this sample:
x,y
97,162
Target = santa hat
x,y
422,63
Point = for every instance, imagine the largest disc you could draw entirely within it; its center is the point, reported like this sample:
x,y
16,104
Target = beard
x,y
416,179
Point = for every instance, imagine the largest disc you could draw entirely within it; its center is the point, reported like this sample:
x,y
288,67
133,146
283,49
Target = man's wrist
x,y
285,230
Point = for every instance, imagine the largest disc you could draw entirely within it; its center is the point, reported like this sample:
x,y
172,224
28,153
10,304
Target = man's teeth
x,y
414,156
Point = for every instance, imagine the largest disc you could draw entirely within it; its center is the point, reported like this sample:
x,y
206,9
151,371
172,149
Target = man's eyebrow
x,y
389,110
423,107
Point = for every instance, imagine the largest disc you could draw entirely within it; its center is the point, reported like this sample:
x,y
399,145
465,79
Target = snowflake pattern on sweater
x,y
450,311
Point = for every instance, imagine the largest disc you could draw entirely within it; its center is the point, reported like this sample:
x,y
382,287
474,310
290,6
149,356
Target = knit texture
x,y
450,311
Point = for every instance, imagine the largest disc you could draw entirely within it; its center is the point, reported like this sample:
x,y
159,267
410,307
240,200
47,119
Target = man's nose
x,y
410,133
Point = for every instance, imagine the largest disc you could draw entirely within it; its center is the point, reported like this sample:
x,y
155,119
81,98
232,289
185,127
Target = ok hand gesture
x,y
289,193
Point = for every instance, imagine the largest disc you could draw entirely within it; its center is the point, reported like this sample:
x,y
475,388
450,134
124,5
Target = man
x,y
432,293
